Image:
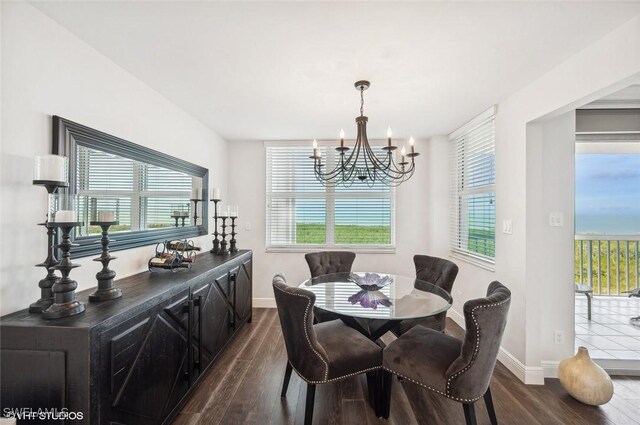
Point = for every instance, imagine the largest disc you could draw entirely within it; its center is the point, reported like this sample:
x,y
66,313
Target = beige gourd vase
x,y
584,380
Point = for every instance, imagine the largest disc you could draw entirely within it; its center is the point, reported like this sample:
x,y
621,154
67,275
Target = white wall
x,y
413,212
550,256
45,71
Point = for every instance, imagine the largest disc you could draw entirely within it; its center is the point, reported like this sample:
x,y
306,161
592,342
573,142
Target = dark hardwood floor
x,y
243,387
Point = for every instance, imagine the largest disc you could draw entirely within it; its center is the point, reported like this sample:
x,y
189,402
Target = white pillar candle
x,y
106,216
65,216
195,193
215,193
184,213
51,167
176,213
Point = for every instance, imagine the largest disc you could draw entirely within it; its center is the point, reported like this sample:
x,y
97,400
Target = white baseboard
x,y
614,367
530,375
550,368
264,303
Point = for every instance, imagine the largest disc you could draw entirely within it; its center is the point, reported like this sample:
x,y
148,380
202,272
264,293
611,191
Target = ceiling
x,y
277,71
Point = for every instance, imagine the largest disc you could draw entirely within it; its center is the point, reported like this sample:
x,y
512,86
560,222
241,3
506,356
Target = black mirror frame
x,y
68,134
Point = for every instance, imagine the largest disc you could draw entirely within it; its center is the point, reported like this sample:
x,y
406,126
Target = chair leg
x,y
385,394
287,377
308,410
488,401
469,413
372,382
588,306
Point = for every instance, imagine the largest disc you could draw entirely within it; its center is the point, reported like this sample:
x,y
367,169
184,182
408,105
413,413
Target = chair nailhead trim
x,y
475,352
338,378
462,400
306,313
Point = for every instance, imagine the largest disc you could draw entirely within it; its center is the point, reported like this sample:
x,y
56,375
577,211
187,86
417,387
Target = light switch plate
x,y
507,227
247,226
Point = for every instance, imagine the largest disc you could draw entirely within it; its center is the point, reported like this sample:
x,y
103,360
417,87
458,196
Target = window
x,y
149,191
473,198
303,213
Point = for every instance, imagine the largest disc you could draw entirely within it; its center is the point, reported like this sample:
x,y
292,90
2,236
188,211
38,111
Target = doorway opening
x,y
607,233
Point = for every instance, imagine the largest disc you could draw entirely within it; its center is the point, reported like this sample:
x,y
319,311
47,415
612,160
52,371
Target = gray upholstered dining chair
x,y
441,273
328,262
324,352
459,370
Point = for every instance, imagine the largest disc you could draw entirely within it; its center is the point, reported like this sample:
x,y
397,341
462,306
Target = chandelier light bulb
x,y
389,132
403,151
411,141
341,134
315,144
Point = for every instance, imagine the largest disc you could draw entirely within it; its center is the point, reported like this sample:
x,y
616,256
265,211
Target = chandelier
x,y
362,163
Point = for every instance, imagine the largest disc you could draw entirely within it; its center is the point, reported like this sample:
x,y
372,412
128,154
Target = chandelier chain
x,y
361,101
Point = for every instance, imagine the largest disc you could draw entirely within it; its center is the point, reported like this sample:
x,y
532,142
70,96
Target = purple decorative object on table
x,y
370,281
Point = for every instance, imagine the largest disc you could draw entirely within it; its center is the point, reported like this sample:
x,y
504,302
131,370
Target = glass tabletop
x,y
383,296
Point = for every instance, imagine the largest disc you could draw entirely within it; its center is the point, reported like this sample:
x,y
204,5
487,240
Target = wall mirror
x,y
149,193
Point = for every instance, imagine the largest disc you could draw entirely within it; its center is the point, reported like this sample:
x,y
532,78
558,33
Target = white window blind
x,y
302,212
143,196
473,177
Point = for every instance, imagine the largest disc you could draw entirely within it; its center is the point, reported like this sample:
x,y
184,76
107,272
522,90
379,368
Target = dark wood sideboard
x,y
132,360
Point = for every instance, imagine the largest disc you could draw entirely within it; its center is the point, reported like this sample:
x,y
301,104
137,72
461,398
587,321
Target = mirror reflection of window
x,y
141,196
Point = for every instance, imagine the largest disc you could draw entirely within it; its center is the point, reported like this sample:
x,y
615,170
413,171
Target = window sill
x,y
483,263
314,248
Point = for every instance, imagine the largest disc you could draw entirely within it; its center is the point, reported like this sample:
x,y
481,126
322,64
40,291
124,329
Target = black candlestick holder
x,y
223,235
45,284
232,241
176,218
46,293
216,242
195,211
64,290
106,287
183,218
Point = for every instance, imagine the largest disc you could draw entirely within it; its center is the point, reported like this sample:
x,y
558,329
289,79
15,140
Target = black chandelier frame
x,y
371,168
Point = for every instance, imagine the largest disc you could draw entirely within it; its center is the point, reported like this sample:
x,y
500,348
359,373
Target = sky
x,y
608,189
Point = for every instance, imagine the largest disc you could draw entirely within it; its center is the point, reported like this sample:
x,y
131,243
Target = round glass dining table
x,y
375,303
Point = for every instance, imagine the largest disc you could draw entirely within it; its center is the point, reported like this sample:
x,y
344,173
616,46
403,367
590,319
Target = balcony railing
x,y
609,264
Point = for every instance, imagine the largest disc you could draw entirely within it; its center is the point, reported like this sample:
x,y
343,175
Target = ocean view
x,y
607,224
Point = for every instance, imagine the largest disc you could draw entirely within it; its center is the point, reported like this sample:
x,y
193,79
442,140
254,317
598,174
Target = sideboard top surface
x,y
143,289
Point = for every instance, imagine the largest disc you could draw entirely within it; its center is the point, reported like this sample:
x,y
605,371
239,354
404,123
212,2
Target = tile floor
x,y
608,335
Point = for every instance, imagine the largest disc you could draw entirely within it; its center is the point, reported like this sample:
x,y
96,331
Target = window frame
x,y
330,196
457,210
67,135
